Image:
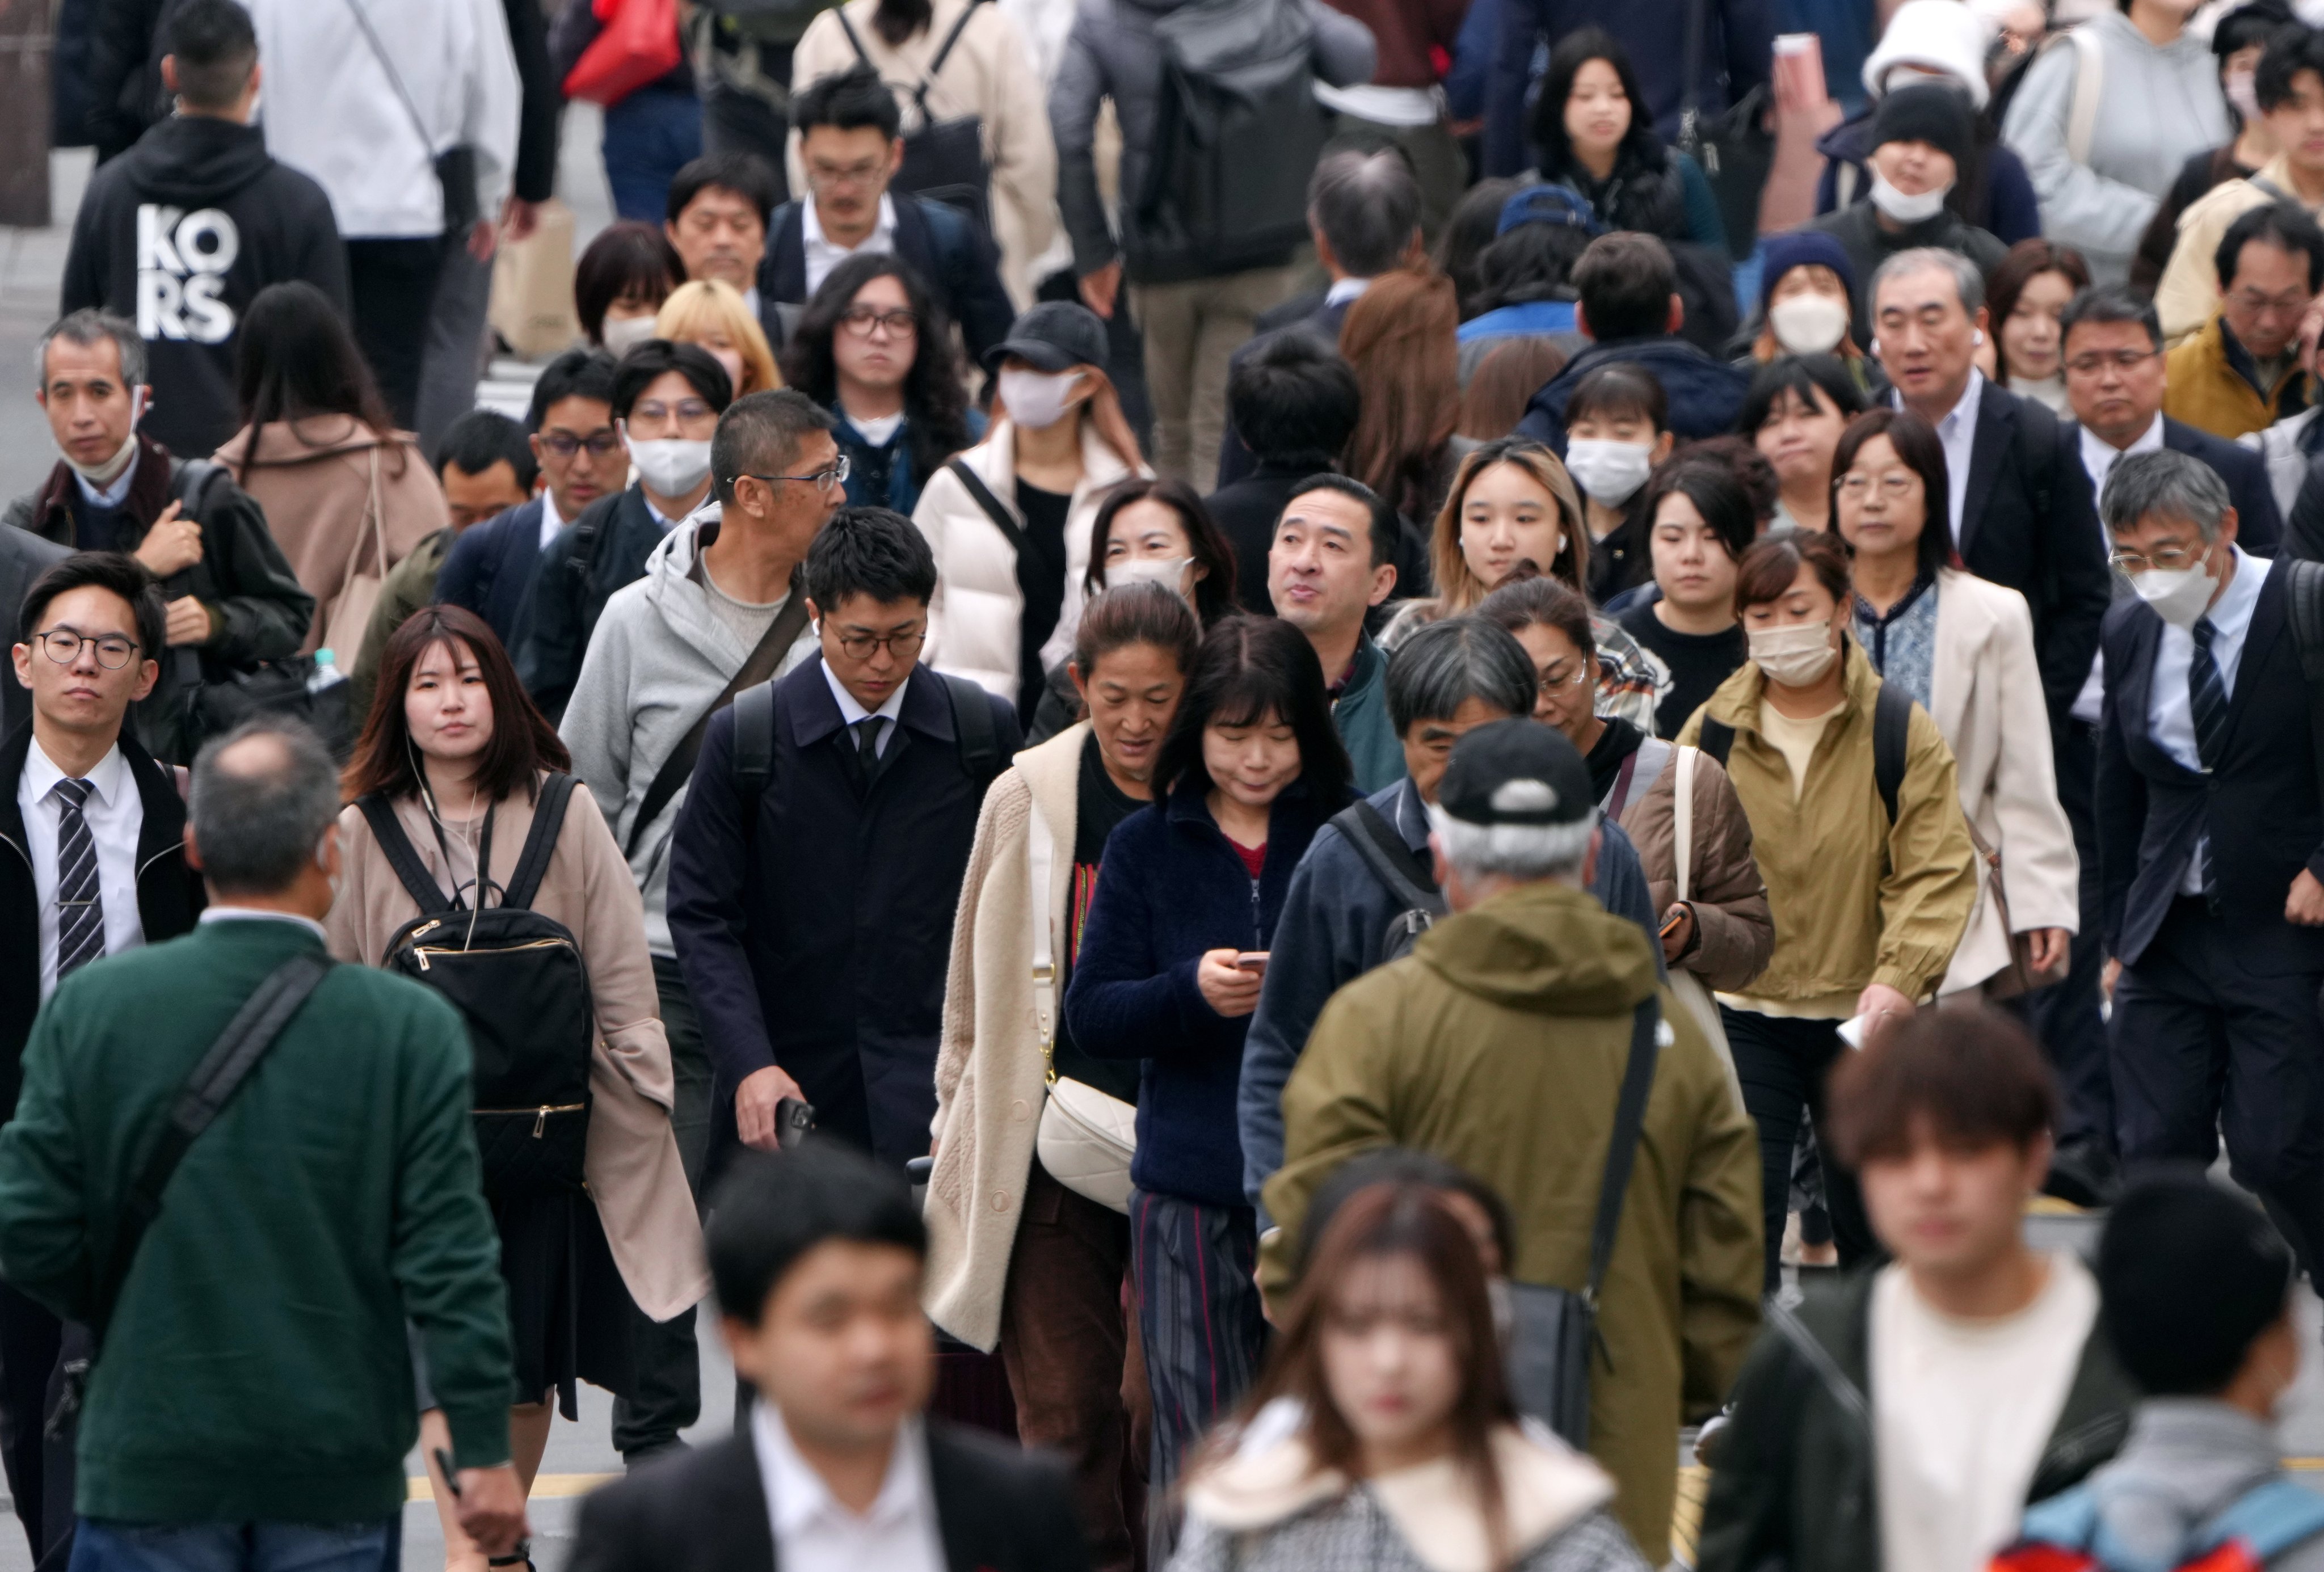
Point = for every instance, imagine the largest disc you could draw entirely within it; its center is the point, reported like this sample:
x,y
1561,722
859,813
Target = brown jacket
x,y
2208,387
1733,933
633,1166
314,477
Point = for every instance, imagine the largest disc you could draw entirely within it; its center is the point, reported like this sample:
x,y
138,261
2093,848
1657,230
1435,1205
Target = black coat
x,y
602,550
815,923
2028,520
954,260
23,557
1312,314
2259,804
168,891
489,569
999,1508
2259,527
1246,511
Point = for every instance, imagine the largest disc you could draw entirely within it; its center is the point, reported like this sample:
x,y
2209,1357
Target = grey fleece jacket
x,y
2187,1460
659,657
1112,53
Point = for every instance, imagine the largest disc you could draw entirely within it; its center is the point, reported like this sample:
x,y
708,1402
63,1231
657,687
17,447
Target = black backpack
x,y
523,988
1892,735
754,737
1412,885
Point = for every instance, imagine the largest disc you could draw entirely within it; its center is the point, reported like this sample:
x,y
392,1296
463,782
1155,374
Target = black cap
x,y
2189,1274
1493,756
1928,111
1054,335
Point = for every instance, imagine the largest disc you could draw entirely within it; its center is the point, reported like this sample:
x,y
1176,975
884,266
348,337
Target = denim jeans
x,y
649,135
103,1545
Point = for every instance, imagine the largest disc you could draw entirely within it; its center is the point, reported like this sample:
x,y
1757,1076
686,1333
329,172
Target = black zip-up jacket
x,y
168,891
177,236
1793,1483
598,553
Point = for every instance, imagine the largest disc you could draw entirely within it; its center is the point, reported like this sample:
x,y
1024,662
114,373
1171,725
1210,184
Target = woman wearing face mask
x,y
2237,42
1015,1258
620,283
2026,296
1382,1433
1618,428
1868,909
1807,295
1794,414
1961,648
457,759
1923,135
1512,503
710,313
1009,520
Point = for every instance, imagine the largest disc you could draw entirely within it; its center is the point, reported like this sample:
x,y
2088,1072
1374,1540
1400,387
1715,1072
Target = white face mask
x,y
2180,595
622,334
1610,472
1902,208
1169,571
670,466
1038,398
101,475
1795,657
1808,323
2242,95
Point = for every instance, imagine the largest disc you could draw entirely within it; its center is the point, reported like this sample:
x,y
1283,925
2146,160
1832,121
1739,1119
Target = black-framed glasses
x,y
832,474
860,320
902,646
564,444
63,646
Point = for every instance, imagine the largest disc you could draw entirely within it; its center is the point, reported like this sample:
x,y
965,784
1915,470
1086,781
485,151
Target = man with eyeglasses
x,y
666,398
93,864
812,901
717,609
2245,370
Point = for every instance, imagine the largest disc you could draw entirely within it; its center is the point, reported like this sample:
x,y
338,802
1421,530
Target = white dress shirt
x,y
111,496
823,256
114,816
2097,461
2171,708
551,521
814,1533
257,914
1957,432
1343,290
892,711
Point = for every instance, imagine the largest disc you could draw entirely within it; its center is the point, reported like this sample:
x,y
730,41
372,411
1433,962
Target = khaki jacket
x,y
2203,387
314,479
1734,935
990,1073
1857,900
631,1165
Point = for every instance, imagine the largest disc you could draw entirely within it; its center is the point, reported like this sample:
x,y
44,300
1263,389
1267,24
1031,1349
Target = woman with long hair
x,y
458,759
2024,297
1382,1433
345,494
711,313
1009,520
876,352
1169,972
1016,1258
1794,414
620,281
1596,134
1401,337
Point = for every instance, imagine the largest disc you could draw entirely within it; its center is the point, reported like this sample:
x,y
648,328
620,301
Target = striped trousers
x,y
1199,1316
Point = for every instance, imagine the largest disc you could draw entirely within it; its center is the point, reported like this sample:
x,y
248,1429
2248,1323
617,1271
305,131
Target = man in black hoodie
x,y
182,230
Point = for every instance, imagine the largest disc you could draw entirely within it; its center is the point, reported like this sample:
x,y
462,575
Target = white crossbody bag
x,y
1086,1137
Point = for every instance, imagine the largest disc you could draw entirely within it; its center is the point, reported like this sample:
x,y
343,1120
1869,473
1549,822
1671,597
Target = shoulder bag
x,y
360,584
455,167
1685,985
1086,1137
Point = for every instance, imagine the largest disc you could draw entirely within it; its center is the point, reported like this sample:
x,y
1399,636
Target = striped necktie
x,y
2208,697
80,908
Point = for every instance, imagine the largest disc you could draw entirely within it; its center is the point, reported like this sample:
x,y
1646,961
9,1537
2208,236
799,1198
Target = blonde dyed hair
x,y
707,305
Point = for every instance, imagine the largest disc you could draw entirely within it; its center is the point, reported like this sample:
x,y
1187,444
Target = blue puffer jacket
x,y
1174,888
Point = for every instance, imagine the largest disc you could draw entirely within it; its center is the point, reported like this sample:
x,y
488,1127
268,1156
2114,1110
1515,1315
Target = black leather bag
x,y
216,705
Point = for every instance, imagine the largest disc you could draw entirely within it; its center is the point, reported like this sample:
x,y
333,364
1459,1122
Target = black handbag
x,y
455,167
944,159
1737,154
216,705
1553,1331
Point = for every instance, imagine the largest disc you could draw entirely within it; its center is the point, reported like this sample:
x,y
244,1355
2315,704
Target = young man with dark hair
x,y
1903,1419
182,230
811,895
1295,402
666,398
851,148
1630,310
490,569
817,1255
2241,372
1330,563
101,831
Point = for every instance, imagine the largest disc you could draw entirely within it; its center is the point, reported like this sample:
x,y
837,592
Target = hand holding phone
x,y
793,1120
1251,961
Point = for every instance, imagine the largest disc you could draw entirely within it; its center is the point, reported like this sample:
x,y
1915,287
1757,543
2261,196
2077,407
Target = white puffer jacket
x,y
972,622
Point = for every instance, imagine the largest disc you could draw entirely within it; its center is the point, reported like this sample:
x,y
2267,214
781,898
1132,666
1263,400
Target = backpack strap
x,y
1646,1032
754,739
943,53
2272,1517
1389,859
2090,88
972,726
995,509
1717,738
540,842
402,855
1892,733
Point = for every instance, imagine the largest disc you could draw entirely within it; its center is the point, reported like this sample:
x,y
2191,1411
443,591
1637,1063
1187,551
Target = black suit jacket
x,y
490,566
1306,313
956,262
2260,804
23,557
998,1510
2259,524
2029,522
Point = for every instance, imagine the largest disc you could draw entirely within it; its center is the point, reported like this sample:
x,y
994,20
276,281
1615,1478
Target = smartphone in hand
x,y
1252,961
793,1120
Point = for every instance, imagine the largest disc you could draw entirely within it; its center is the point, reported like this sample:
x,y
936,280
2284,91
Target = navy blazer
x,y
489,568
955,260
2260,805
2259,523
1311,313
814,924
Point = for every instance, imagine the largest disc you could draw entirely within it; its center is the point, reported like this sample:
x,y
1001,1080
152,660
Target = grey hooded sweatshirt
x,y
2186,1460
658,657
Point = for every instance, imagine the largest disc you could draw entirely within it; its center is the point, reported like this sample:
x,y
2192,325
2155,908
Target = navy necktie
x,y
2208,697
80,908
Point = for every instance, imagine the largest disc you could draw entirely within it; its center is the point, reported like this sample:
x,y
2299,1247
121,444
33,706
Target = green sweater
x,y
1366,731
256,1368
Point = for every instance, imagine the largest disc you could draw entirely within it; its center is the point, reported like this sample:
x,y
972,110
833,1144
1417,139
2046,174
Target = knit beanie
x,y
1927,112
1800,248
2189,1274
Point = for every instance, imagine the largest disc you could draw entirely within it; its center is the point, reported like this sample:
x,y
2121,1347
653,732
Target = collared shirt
x,y
2098,460
259,915
111,496
814,1533
1957,432
1343,290
552,520
850,712
2171,708
115,815
823,256
1902,642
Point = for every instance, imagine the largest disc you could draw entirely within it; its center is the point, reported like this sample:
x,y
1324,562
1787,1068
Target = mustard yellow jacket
x,y
2205,389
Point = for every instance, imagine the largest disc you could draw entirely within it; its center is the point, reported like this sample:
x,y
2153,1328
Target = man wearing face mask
x,y
1924,135
667,402
233,600
2210,816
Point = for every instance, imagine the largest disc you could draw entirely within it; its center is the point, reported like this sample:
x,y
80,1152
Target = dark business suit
x,y
1309,314
999,1508
2216,1021
23,557
954,260
2259,524
490,566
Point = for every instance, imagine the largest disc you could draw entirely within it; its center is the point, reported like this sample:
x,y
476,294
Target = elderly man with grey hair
x,y
1365,890
252,1401
2210,818
1501,1044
